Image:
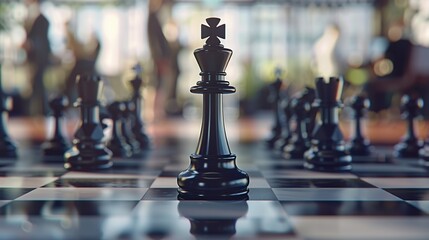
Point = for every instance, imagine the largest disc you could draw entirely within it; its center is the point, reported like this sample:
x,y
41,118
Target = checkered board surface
x,y
137,199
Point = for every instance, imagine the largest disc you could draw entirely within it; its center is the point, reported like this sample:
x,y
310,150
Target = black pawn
x,y
88,152
117,143
276,130
328,152
7,147
58,144
299,143
359,146
213,173
127,131
137,124
409,146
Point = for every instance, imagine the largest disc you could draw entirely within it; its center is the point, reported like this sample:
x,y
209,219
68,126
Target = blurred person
x,y
173,105
162,56
85,56
325,51
38,49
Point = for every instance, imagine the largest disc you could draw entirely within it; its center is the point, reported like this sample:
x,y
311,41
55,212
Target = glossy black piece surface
x,y
88,152
328,152
118,144
409,146
57,145
137,124
299,142
7,146
359,145
212,173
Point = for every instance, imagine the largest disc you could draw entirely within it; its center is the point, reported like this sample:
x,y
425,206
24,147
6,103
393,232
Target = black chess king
x,y
213,173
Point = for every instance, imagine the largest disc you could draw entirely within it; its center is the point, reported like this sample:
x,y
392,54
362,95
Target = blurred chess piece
x,y
301,106
137,124
118,144
328,152
89,152
58,144
359,145
7,146
275,96
409,146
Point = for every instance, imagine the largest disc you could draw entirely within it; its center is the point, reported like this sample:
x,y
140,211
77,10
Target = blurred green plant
x,y
3,16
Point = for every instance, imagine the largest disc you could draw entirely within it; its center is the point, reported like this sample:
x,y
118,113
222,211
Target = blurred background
x,y
378,46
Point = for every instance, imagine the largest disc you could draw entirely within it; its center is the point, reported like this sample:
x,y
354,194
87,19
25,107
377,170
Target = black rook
x,y
328,152
88,152
212,173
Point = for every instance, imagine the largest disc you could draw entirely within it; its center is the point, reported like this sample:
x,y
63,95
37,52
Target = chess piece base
x,y
328,160
276,135
213,178
360,147
143,140
7,148
96,158
55,148
295,150
408,148
120,148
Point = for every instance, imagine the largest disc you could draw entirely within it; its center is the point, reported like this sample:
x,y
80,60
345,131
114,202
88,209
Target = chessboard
x,y
381,198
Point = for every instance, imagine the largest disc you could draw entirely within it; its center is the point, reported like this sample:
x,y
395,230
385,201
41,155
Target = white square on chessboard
x,y
164,182
4,202
305,174
176,167
423,205
25,182
88,175
361,227
110,194
398,182
333,194
258,183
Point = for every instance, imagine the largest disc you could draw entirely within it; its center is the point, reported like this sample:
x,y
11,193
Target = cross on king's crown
x,y
213,32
